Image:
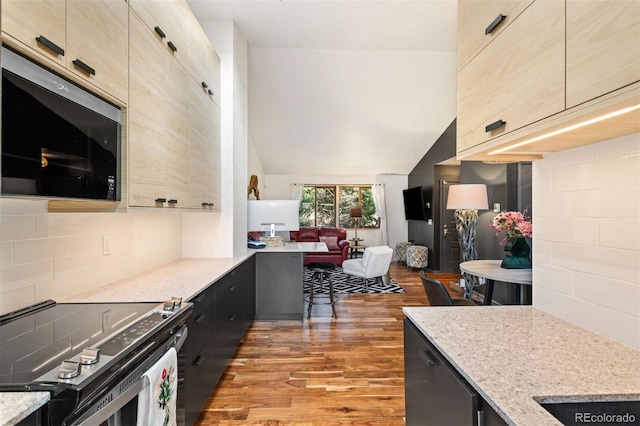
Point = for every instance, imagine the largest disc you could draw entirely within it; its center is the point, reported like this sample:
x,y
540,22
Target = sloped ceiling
x,y
345,87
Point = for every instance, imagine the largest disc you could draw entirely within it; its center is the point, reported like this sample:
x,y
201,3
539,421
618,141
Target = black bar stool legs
x,y
320,271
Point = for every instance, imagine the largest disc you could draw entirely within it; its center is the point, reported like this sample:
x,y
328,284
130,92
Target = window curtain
x,y
380,202
296,191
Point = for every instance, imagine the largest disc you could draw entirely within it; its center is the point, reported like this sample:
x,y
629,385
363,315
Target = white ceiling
x,y
344,86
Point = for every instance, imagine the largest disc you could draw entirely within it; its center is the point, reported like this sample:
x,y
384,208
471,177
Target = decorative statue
x,y
253,187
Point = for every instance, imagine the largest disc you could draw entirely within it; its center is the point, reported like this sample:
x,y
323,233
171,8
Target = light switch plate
x,y
106,245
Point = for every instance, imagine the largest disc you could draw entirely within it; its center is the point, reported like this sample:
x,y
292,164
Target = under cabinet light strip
x,y
568,129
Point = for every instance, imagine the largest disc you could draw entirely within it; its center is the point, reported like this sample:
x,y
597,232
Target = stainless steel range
x,y
90,357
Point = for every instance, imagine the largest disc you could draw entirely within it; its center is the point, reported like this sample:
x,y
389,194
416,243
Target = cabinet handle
x,y
210,92
200,298
495,125
232,317
84,67
492,26
232,288
426,358
199,319
50,45
172,46
204,85
161,200
160,32
172,201
198,362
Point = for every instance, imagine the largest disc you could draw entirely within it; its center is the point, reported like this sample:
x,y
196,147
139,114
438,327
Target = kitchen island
x,y
510,355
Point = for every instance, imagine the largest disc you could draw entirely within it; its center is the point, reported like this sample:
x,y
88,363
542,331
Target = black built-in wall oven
x,y
90,357
58,139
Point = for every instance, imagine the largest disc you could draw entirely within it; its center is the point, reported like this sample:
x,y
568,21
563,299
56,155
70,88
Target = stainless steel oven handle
x,y
125,397
114,406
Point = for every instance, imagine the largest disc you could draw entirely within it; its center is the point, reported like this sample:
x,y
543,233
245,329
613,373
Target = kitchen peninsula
x,y
510,355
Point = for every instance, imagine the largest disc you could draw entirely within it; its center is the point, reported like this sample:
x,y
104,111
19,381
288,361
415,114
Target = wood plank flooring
x,y
323,371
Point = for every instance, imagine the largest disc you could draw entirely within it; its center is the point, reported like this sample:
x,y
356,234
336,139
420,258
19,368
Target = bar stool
x,y
320,271
401,252
417,257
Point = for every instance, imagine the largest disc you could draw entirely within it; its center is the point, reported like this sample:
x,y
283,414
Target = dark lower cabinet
x,y
435,393
222,314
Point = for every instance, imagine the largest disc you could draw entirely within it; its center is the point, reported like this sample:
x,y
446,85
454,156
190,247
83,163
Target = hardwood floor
x,y
323,371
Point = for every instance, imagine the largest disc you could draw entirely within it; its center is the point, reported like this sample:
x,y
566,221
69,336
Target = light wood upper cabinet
x,y
204,140
97,42
480,22
516,80
169,20
89,38
603,47
174,128
158,123
27,21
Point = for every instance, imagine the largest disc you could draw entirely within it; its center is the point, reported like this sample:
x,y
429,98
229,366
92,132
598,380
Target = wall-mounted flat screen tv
x,y
414,206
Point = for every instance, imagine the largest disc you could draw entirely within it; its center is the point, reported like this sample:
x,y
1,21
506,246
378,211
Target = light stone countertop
x,y
183,278
17,406
511,354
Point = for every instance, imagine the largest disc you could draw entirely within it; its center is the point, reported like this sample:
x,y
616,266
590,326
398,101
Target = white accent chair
x,y
373,264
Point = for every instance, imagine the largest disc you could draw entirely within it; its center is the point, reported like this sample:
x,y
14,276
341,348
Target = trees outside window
x,y
318,206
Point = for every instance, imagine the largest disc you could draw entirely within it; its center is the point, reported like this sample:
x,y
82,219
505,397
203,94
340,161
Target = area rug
x,y
342,284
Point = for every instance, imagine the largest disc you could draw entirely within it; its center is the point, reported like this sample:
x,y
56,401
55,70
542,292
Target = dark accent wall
x,y
507,184
423,174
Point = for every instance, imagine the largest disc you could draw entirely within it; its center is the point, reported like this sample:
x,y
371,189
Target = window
x,y
318,206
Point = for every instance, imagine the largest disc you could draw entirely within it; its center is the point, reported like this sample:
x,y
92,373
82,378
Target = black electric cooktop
x,y
32,344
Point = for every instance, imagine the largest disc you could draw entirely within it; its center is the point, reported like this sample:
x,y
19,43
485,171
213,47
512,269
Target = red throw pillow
x,y
331,242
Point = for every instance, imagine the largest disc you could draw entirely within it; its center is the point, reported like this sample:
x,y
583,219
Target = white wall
x,y
278,187
56,255
586,216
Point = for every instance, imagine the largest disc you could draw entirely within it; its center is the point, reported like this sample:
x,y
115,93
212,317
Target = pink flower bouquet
x,y
515,223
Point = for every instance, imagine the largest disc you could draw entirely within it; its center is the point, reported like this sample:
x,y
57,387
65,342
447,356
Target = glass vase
x,y
517,254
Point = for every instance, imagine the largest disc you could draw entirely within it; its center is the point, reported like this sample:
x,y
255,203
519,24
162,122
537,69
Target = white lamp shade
x,y
467,196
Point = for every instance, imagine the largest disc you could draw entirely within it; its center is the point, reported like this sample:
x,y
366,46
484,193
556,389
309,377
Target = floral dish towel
x,y
157,402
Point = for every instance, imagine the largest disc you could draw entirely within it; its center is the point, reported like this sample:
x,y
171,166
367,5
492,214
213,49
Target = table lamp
x,y
356,214
466,200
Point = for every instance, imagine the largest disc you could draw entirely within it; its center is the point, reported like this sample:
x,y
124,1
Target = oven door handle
x,y
118,402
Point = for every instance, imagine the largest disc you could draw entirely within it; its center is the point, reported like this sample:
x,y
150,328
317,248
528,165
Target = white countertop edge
x,y
17,406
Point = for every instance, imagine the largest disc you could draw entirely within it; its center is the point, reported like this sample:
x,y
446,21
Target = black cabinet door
x,y
199,380
435,395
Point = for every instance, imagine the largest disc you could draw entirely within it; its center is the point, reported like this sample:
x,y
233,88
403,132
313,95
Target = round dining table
x,y
491,271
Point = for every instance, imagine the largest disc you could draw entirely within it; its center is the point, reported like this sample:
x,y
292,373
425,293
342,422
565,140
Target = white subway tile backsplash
x,y
620,233
552,278
27,251
542,252
634,269
16,228
572,309
615,294
58,255
555,204
22,207
16,299
604,262
27,274
597,244
6,253
619,326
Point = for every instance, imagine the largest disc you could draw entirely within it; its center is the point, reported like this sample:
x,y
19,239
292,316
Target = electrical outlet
x,y
163,236
106,245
